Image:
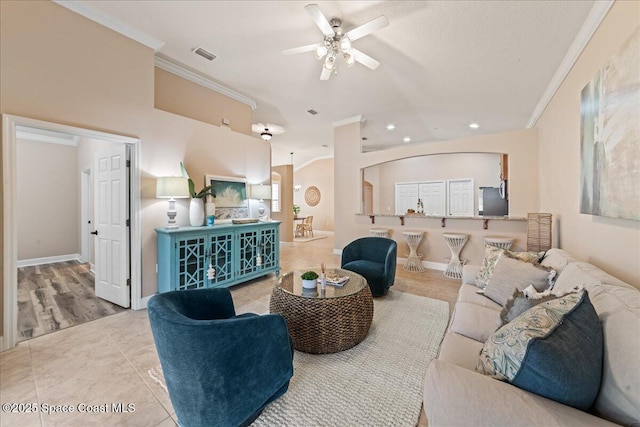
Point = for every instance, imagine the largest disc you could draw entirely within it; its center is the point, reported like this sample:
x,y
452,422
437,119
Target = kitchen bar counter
x,y
443,219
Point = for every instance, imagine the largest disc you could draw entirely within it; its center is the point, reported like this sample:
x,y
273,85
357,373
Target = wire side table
x,y
499,242
456,243
379,232
414,262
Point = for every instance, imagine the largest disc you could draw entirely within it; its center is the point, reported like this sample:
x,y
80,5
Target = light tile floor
x,y
103,364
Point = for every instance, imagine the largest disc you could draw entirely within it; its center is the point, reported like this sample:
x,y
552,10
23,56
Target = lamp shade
x,y
168,187
259,191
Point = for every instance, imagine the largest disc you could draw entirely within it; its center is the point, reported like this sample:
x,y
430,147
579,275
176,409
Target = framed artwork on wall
x,y
610,137
231,196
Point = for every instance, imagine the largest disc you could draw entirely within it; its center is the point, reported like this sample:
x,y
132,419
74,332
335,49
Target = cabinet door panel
x,y
191,253
269,248
247,251
220,258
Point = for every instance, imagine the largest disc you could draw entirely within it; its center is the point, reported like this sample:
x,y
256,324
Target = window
x,y
275,197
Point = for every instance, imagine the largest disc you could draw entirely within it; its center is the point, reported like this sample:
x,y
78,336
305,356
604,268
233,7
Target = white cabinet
x,y
452,197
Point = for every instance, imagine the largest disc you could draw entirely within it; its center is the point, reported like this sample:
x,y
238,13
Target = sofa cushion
x,y
474,321
454,396
553,349
618,307
469,293
510,273
491,256
557,259
460,350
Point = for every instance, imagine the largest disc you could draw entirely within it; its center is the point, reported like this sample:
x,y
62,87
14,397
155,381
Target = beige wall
x,y
612,244
319,174
286,202
183,97
60,67
483,168
47,199
522,148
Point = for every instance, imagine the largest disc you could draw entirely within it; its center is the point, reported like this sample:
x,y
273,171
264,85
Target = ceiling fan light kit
x,y
336,43
266,135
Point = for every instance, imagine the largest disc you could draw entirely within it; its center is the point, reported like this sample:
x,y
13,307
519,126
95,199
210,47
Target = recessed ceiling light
x,y
474,125
407,139
391,127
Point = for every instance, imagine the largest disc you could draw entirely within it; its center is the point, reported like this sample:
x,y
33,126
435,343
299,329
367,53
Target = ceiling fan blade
x,y
325,74
318,17
368,28
364,59
301,49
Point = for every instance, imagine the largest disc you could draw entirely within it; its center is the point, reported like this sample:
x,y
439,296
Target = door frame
x,y
86,214
10,238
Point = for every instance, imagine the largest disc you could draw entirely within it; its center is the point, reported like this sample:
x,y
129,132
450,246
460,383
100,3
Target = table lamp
x,y
261,192
172,188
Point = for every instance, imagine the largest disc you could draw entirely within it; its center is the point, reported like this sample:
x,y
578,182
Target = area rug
x,y
376,383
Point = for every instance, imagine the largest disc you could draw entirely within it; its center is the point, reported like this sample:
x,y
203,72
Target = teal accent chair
x,y
374,258
220,369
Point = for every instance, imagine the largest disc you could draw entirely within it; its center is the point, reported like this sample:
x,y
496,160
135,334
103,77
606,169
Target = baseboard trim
x,y
142,305
427,264
47,260
337,252
2,344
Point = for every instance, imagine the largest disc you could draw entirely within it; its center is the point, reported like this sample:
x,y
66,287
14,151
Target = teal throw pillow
x,y
554,349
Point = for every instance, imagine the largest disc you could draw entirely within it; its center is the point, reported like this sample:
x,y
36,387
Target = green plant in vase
x,y
196,207
309,279
296,210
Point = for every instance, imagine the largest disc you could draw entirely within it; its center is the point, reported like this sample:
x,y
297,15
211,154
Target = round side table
x,y
455,242
379,232
499,242
413,239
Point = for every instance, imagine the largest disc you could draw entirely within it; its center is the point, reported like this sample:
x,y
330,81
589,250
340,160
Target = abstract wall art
x,y
610,137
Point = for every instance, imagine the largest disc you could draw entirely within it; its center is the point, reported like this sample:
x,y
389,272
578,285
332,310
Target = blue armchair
x,y
220,369
374,258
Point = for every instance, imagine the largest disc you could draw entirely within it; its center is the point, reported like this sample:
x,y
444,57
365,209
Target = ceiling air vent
x,y
312,112
204,53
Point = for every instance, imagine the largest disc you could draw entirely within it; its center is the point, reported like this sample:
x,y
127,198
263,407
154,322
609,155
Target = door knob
x,y
95,232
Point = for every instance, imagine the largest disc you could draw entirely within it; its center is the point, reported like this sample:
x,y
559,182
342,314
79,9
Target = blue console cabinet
x,y
236,252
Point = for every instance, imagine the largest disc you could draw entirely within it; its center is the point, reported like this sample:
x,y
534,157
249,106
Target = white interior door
x,y
460,193
111,213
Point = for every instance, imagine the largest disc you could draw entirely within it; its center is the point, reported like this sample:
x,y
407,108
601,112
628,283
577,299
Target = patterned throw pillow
x,y
491,255
554,349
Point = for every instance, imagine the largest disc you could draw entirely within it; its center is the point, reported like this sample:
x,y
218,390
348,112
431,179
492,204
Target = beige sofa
x,y
456,395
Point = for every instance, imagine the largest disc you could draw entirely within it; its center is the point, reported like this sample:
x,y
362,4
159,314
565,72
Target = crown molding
x,y
89,12
203,81
591,24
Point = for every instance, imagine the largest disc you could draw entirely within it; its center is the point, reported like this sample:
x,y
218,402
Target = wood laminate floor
x,y
56,296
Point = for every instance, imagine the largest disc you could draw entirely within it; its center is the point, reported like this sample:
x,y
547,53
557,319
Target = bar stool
x,y
499,242
455,242
413,239
379,232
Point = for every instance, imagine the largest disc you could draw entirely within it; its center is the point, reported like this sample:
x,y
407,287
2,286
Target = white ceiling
x,y
445,64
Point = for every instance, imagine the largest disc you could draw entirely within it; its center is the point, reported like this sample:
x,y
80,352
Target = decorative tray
x,y
245,221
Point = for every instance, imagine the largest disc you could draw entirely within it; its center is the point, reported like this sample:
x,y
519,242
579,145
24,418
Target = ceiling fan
x,y
336,43
266,131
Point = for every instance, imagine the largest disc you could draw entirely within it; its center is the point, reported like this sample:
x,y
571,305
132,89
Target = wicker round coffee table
x,y
326,321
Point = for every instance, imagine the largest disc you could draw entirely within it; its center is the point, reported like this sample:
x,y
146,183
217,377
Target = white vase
x,y
210,207
196,212
309,284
